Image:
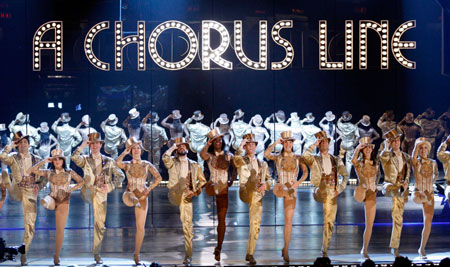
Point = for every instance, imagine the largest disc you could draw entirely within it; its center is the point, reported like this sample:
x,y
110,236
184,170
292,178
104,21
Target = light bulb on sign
x,y
56,45
121,42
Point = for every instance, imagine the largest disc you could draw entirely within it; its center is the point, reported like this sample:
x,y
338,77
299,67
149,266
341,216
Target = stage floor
x,y
164,237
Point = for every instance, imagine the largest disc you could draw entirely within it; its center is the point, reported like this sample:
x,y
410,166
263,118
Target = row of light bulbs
x,y
209,54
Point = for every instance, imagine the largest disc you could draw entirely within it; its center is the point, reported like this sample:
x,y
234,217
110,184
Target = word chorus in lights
x,y
209,54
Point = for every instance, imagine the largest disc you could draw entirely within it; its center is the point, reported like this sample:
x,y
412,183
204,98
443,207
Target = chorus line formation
x,y
32,158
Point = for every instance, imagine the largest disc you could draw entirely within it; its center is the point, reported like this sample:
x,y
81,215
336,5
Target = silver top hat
x,y
365,120
198,116
86,119
239,113
309,117
112,119
133,113
65,117
346,116
176,114
280,115
21,118
154,117
294,116
329,116
223,118
2,127
43,127
257,120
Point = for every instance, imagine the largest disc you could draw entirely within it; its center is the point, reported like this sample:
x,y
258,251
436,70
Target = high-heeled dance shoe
x,y
250,259
364,255
422,254
394,251
98,259
23,260
56,260
137,260
285,255
217,254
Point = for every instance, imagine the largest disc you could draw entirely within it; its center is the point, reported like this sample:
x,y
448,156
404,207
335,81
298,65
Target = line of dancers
x,y
328,174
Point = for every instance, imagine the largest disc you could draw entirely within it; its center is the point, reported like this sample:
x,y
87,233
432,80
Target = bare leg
x,y
370,210
61,213
428,212
141,217
289,208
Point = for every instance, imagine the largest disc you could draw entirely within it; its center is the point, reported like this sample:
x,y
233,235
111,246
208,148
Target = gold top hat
x,y
320,135
250,138
366,141
95,137
18,136
214,133
392,134
57,153
181,141
422,141
287,135
131,142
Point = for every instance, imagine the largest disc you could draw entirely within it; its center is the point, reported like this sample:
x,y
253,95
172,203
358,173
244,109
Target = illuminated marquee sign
x,y
209,54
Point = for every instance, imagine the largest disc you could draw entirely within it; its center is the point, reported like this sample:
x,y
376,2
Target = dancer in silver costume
x,y
239,128
154,139
47,142
349,134
85,131
22,124
276,127
308,130
224,128
114,136
197,133
366,130
296,130
68,137
133,124
261,135
329,127
176,128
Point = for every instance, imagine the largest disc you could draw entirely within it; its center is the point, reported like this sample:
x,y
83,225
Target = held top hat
x,y
86,119
257,120
18,136
154,117
409,118
250,138
309,117
329,116
239,113
294,116
280,115
366,141
176,114
365,120
223,118
322,135
422,141
2,127
131,142
181,141
133,113
346,116
198,116
95,137
65,117
287,135
21,118
44,127
57,153
392,134
214,133
112,119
